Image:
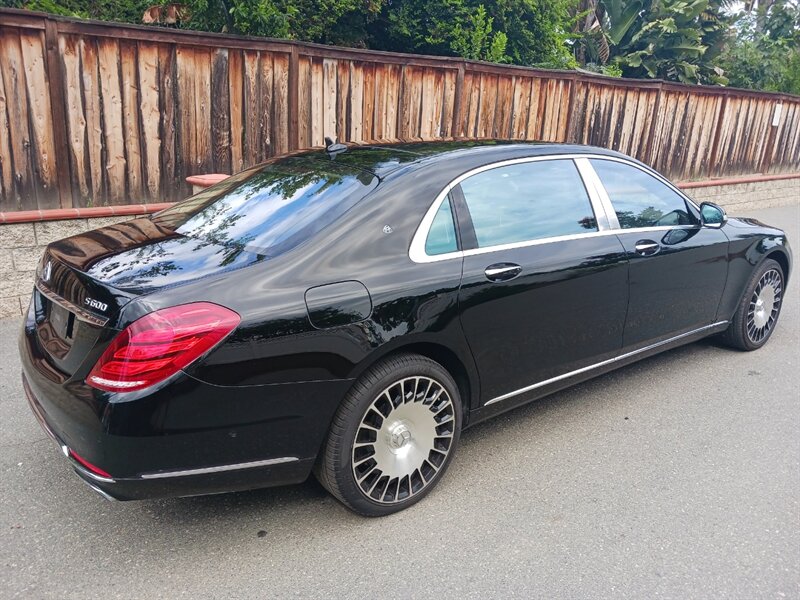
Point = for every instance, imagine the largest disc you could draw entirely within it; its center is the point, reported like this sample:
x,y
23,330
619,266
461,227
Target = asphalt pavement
x,y
676,477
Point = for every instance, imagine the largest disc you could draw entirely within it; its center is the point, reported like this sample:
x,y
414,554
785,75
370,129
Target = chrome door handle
x,y
502,271
647,247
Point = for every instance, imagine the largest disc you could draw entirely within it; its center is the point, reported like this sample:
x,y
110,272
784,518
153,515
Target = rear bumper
x,y
184,438
186,482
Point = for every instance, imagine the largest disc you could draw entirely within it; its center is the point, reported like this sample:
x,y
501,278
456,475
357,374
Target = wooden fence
x,y
94,114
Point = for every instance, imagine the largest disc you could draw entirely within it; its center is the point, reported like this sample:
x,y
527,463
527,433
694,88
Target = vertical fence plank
x,y
90,87
150,115
356,102
265,103
130,117
76,121
304,96
368,102
280,98
6,172
252,118
317,103
329,92
236,83
172,184
391,102
343,100
220,112
427,105
13,72
293,99
203,159
113,133
56,103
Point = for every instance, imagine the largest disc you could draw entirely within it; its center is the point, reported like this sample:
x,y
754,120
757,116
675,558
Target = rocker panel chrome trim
x,y
602,364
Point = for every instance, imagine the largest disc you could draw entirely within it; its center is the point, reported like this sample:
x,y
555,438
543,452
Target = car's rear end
x,y
105,395
107,342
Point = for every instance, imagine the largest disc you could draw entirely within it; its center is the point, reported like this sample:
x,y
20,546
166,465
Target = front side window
x,y
528,201
639,199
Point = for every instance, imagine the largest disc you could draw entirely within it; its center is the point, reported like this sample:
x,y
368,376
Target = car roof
x,y
385,159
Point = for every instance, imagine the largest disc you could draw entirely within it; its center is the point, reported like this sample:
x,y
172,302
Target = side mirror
x,y
712,215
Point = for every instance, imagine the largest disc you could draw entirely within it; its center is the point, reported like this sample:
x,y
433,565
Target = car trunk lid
x,y
84,281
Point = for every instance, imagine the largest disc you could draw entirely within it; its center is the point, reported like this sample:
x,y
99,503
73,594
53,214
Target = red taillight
x,y
160,344
94,469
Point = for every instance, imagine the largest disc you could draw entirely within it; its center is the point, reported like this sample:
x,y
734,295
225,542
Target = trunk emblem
x,y
96,304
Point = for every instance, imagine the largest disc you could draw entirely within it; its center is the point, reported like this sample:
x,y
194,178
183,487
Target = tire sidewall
x,y
741,320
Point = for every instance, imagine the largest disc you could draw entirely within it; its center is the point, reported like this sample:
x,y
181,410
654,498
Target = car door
x,y
678,268
544,288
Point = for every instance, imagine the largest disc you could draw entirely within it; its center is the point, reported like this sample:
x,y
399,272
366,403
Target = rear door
x,y
544,288
678,268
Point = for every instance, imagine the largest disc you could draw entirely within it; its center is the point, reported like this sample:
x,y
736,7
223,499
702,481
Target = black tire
x,y
739,333
390,380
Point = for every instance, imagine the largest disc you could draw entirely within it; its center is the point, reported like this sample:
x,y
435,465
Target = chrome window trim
x,y
602,363
601,204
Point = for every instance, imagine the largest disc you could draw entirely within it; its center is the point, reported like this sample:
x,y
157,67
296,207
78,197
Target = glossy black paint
x,y
678,288
566,310
315,317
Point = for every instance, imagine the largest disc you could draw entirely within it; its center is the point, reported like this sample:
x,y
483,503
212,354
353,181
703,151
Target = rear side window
x,y
639,199
528,201
271,209
442,235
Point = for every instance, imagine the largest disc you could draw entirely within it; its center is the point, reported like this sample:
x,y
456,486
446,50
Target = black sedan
x,y
350,311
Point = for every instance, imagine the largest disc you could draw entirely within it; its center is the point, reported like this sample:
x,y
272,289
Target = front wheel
x,y
758,312
393,436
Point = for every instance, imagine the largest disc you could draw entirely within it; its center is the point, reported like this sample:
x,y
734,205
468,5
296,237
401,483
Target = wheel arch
x,y
780,257
467,382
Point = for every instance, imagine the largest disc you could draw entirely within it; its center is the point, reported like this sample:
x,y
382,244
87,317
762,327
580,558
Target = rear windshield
x,y
270,209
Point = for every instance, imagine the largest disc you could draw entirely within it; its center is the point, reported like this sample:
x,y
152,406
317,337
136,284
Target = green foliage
x,y
477,42
129,11
677,40
765,52
527,32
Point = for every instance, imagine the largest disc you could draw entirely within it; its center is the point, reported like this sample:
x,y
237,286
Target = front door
x,y
678,268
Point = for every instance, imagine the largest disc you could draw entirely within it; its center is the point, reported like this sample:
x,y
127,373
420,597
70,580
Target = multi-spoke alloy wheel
x,y
764,305
393,436
403,439
759,309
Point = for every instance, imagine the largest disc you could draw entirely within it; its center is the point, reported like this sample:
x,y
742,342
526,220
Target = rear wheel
x,y
393,436
758,312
